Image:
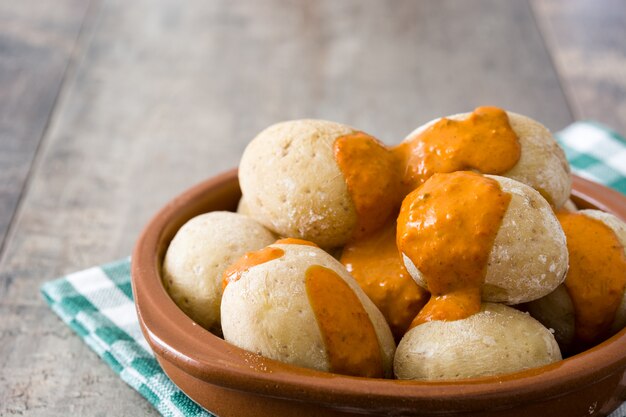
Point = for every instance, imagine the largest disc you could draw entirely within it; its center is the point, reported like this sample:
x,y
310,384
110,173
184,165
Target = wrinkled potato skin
x,y
497,340
267,311
556,311
198,255
293,185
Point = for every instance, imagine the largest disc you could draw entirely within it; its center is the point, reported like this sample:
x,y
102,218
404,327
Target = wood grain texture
x,y
166,94
36,42
588,42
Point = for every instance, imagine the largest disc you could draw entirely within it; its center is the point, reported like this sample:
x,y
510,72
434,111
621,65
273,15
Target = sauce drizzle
x,y
235,271
370,171
447,228
484,141
348,333
376,264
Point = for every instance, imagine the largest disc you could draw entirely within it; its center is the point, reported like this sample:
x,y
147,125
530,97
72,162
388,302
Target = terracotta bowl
x,y
232,382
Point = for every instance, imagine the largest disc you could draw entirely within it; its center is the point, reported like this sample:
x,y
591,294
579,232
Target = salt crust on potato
x,y
293,185
267,311
556,309
198,255
497,340
529,257
542,164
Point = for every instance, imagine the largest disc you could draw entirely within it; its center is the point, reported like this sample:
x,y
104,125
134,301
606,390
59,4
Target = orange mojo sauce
x,y
447,228
377,180
376,264
249,260
596,278
348,333
369,169
484,141
378,177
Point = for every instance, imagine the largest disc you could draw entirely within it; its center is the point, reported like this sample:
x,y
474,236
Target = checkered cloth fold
x,y
97,303
596,153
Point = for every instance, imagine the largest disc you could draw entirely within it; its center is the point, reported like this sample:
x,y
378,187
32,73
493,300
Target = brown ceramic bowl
x,y
232,382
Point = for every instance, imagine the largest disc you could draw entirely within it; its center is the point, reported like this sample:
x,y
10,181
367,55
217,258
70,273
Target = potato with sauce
x,y
293,302
496,340
491,141
318,180
590,305
495,232
201,250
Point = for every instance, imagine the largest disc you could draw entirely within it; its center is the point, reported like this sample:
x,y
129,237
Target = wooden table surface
x,y
109,108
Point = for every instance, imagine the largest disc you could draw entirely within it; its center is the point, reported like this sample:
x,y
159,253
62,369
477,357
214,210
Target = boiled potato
x,y
305,179
529,256
542,164
293,185
199,253
497,340
271,310
556,312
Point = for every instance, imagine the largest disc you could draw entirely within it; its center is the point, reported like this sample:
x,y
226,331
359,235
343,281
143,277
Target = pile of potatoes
x,y
229,272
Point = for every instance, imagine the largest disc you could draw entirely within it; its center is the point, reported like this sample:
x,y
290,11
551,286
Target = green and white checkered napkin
x,y
596,153
97,303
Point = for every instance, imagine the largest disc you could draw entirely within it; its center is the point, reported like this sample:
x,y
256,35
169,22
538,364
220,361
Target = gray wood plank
x,y
166,95
588,42
36,42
